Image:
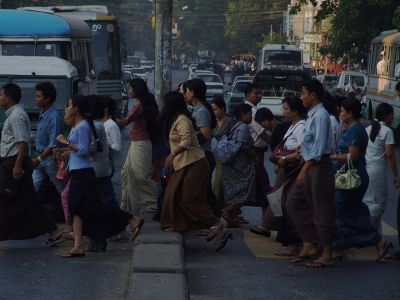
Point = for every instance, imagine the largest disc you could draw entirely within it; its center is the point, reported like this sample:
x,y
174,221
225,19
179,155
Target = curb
x,y
158,264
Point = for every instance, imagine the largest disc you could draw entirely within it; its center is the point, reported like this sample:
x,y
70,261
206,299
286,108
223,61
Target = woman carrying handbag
x,y
353,220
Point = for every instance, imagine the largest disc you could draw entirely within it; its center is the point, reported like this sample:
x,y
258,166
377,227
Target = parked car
x,y
139,72
195,74
311,70
236,96
360,78
278,84
215,87
244,77
329,82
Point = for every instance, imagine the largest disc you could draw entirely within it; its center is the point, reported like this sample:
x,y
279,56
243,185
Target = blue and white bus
x,y
29,33
381,85
106,43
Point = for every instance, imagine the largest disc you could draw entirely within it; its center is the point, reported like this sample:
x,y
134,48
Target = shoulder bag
x,y
347,178
226,148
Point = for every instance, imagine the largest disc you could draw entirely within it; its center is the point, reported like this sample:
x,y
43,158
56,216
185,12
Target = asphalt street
x,y
245,269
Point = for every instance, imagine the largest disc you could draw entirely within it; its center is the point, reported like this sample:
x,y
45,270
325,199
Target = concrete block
x,y
147,215
158,258
159,237
156,286
150,227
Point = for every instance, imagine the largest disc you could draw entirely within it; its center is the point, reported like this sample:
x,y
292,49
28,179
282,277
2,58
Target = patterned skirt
x,y
238,180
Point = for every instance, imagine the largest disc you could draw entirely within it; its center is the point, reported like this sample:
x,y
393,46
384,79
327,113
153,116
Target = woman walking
x,y
185,206
204,118
380,151
224,125
138,186
353,221
89,214
286,165
238,176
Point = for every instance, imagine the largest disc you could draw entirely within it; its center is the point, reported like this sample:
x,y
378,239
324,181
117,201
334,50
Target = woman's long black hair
x,y
199,89
382,111
83,103
174,105
149,105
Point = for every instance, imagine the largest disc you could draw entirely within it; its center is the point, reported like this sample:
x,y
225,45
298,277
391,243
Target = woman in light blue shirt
x,y
90,216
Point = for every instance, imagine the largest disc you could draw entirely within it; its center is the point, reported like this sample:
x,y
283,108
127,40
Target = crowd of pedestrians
x,y
196,166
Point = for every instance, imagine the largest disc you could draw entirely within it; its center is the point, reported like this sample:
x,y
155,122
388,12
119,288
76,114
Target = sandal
x,y
384,252
73,255
286,253
136,230
319,264
300,259
259,231
222,242
51,242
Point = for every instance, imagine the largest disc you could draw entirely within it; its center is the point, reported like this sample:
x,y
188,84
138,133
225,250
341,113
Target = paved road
x,y
248,269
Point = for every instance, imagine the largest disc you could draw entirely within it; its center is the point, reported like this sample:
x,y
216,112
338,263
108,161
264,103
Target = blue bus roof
x,y
19,23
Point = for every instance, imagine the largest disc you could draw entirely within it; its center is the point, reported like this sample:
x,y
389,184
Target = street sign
x,y
312,38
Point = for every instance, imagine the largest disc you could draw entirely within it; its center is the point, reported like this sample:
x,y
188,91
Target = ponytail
x,y
212,115
99,146
382,111
375,128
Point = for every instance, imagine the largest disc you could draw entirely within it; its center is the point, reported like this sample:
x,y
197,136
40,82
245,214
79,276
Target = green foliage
x,y
396,18
355,23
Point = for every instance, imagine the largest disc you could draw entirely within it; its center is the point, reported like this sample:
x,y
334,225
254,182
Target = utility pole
x,y
163,45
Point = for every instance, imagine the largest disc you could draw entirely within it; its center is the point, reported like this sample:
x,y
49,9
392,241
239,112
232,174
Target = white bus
x,y
381,87
280,57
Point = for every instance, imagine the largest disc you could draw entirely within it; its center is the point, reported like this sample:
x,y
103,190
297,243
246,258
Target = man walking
x,y
22,216
315,222
50,125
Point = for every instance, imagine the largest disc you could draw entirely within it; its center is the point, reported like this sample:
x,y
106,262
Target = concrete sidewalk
x,y
158,266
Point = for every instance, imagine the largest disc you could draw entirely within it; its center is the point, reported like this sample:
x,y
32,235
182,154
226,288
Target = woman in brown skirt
x,y
185,201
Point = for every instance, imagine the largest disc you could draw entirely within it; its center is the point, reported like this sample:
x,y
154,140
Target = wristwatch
x,y
284,158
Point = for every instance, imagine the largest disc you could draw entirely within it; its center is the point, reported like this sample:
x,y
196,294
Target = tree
x,y
355,23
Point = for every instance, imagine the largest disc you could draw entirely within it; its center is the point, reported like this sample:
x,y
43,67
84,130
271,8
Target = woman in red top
x,y
138,186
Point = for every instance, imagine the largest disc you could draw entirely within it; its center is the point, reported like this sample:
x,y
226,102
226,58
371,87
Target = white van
x,y
344,78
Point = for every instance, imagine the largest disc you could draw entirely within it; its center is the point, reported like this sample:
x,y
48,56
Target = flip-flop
x,y
257,230
51,242
137,229
222,242
299,259
73,255
286,254
318,264
384,252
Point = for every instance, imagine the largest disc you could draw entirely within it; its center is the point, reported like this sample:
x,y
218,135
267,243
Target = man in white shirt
x,y
381,65
397,70
112,131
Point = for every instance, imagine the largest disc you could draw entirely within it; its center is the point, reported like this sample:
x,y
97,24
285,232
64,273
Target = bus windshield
x,y
28,49
282,57
28,88
106,49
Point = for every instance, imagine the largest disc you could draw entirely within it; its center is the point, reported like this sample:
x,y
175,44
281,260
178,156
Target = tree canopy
x,y
354,23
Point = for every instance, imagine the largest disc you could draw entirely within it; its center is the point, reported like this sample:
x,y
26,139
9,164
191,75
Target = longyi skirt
x,y
99,221
185,201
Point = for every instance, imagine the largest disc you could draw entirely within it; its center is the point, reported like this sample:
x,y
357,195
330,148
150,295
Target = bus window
x,y
46,50
18,49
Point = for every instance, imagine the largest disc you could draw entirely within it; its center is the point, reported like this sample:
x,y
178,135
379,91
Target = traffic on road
x,y
266,168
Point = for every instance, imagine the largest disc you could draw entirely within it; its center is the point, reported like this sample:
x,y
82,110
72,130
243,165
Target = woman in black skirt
x,y
91,217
